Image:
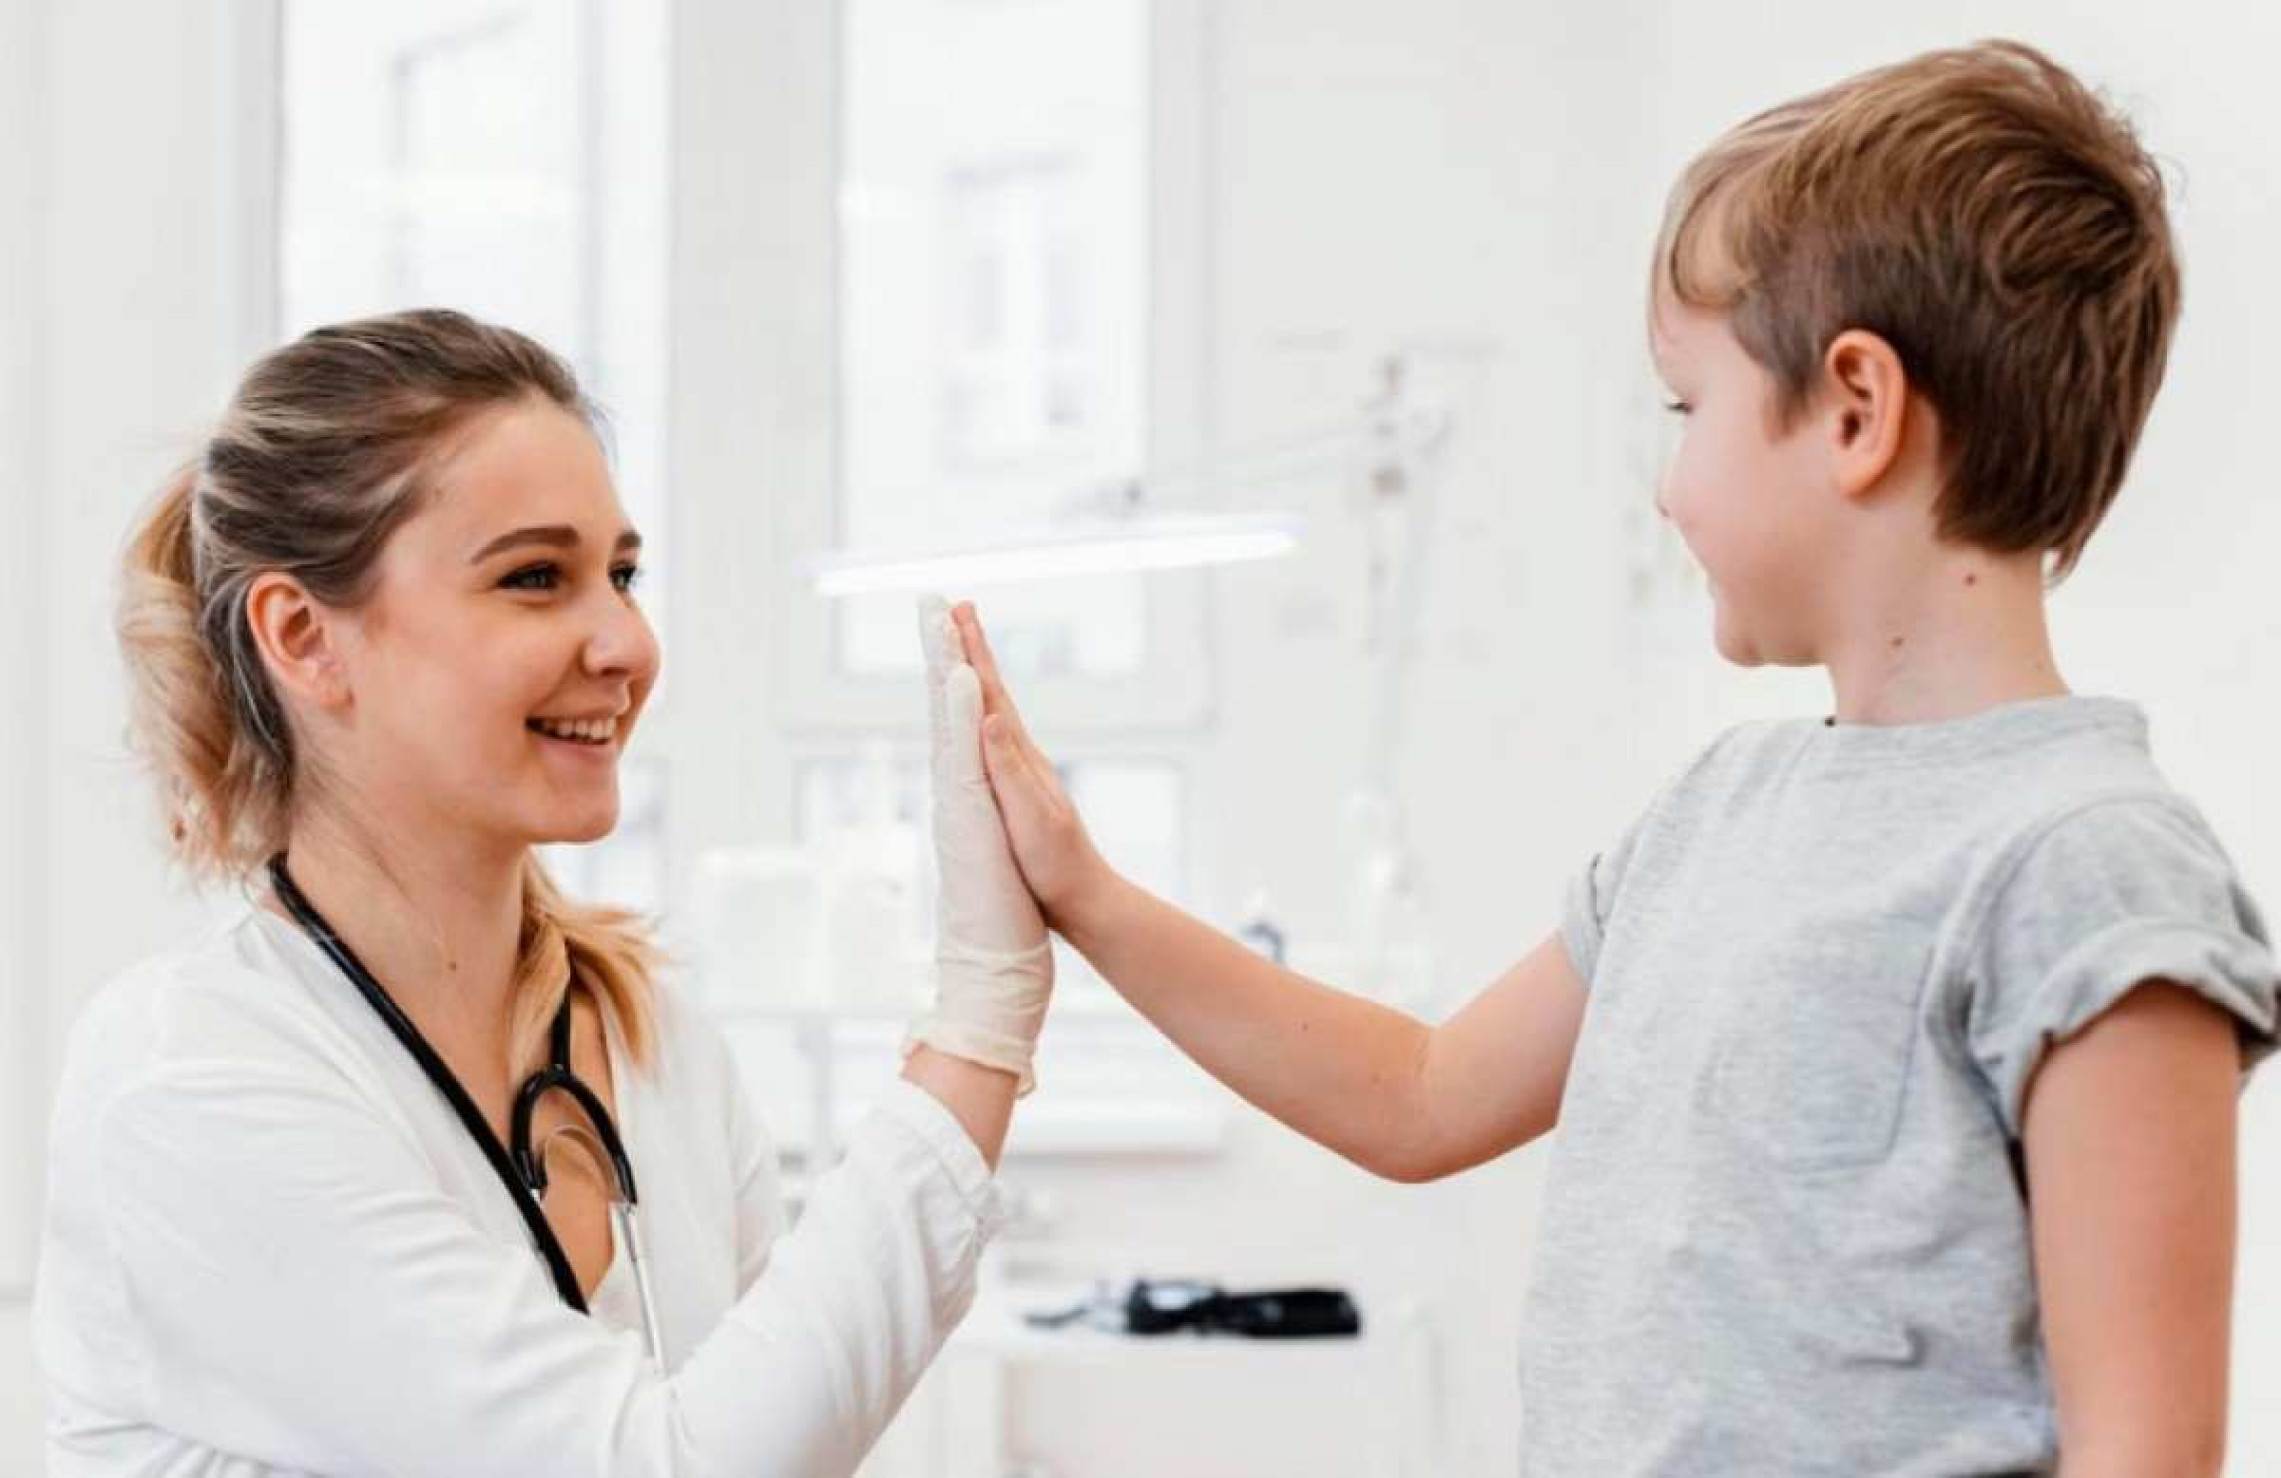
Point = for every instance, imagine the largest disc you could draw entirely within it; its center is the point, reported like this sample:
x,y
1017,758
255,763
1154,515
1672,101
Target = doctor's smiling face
x,y
490,680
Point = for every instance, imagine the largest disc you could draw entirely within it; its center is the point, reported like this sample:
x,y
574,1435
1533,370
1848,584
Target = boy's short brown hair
x,y
1989,217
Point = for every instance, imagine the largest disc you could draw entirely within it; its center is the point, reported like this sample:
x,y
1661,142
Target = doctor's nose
x,y
622,642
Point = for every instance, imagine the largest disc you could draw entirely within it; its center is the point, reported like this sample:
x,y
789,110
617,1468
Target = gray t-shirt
x,y
1784,1229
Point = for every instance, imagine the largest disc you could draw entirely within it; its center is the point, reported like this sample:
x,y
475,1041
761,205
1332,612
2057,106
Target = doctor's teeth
x,y
582,731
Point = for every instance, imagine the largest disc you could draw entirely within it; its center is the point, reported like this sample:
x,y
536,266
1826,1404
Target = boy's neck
x,y
1962,632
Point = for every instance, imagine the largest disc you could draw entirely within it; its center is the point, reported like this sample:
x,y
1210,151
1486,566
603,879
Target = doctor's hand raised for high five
x,y
993,967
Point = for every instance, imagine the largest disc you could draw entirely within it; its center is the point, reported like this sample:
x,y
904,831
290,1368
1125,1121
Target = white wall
x,y
122,310
19,765
1468,175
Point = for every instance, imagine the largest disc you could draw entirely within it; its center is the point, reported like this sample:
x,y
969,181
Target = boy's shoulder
x,y
1987,782
2056,746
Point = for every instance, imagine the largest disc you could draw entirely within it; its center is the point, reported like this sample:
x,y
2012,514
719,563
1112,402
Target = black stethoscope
x,y
521,1169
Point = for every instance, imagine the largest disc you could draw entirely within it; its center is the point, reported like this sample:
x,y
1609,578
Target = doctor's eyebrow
x,y
553,536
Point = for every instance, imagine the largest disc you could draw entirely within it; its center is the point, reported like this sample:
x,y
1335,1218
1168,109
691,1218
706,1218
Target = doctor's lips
x,y
596,731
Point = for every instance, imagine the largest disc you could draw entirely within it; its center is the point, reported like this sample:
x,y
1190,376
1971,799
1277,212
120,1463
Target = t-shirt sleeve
x,y
1591,901
1597,889
2121,892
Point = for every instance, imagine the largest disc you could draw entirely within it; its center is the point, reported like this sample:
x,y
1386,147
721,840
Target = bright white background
x,y
1471,179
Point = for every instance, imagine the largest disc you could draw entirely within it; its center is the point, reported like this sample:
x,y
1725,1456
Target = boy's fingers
x,y
985,663
996,762
1003,758
1007,773
977,645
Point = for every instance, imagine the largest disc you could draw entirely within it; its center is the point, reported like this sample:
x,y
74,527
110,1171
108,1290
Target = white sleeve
x,y
311,1301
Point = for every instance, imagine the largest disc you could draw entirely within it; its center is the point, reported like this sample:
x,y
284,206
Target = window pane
x,y
506,160
993,304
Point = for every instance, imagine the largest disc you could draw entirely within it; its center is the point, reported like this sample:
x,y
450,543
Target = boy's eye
x,y
1677,407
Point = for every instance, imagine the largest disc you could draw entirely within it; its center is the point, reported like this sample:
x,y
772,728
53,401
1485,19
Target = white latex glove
x,y
993,967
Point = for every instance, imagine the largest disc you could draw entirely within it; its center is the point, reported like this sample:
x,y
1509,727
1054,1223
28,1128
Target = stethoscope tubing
x,y
521,1172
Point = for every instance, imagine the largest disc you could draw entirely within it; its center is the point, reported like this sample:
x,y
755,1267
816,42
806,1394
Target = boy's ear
x,y
1867,408
296,639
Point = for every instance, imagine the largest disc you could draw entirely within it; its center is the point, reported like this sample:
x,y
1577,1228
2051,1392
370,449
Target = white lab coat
x,y
270,1247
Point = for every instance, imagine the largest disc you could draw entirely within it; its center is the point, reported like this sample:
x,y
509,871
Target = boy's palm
x,y
1057,859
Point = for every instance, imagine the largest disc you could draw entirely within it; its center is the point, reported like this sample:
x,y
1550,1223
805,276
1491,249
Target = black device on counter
x,y
1162,1307
1165,1305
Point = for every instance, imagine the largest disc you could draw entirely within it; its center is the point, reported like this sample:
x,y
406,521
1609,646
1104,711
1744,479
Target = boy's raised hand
x,y
993,967
1057,858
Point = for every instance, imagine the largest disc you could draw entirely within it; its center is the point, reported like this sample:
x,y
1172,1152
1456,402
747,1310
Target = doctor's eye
x,y
532,577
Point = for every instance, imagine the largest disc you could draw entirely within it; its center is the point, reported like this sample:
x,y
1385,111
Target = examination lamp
x,y
1125,527
1097,547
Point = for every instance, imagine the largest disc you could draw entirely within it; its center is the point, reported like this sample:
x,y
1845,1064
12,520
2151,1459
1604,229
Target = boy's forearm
x,y
1344,1071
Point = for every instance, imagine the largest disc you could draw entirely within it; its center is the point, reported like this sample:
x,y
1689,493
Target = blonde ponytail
x,y
606,949
224,797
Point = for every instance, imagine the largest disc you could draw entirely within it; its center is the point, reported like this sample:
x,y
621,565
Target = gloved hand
x,y
993,967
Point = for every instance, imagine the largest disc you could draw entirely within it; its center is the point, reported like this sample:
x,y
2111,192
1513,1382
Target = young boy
x,y
1894,1053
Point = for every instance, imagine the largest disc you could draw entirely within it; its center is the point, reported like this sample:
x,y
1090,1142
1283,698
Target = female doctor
x,y
415,1165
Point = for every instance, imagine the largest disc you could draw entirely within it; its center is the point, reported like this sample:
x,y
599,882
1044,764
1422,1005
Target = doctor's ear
x,y
298,640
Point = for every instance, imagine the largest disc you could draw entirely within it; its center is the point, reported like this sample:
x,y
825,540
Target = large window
x,y
993,324
508,160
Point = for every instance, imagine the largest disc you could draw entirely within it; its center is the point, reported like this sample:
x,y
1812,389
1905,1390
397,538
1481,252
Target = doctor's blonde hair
x,y
322,454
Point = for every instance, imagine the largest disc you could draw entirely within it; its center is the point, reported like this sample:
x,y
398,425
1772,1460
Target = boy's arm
x,y
2130,1135
1402,1099
1399,1098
